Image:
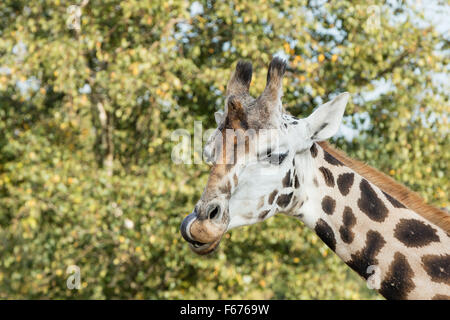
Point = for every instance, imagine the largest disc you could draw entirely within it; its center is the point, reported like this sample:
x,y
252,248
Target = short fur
x,y
409,198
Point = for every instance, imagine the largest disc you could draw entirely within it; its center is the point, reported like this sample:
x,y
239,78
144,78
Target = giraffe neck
x,y
399,253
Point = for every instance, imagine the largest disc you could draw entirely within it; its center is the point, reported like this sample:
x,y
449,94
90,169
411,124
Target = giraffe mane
x,y
395,189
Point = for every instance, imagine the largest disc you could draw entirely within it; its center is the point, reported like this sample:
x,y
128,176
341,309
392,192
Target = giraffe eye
x,y
273,158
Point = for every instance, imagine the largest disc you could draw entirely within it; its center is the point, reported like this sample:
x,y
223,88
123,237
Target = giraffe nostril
x,y
213,212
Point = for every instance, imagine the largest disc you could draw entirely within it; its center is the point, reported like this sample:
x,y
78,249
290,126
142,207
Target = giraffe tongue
x,y
206,248
196,243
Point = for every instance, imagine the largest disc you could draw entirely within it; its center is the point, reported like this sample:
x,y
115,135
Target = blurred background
x,y
90,92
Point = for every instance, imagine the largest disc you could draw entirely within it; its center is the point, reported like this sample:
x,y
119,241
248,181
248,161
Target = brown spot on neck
x,y
398,282
328,205
395,203
327,176
348,220
345,182
325,233
296,183
272,196
264,214
287,179
284,199
414,233
437,267
331,160
370,204
366,257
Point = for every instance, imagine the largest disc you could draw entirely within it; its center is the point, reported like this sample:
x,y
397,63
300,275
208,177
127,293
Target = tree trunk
x,y
106,139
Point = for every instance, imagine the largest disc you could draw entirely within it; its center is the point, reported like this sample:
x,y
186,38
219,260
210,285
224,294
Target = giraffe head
x,y
253,152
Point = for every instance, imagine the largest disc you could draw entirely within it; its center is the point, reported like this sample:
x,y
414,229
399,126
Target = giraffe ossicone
x,y
265,161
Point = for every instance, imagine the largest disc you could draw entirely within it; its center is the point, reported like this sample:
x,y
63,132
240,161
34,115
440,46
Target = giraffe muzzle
x,y
185,229
203,235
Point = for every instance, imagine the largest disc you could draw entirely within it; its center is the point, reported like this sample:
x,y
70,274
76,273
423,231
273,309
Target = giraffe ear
x,y
325,121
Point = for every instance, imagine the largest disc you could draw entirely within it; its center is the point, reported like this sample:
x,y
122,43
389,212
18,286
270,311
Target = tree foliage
x,y
86,115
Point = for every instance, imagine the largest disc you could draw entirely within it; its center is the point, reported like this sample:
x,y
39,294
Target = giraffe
x,y
379,228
